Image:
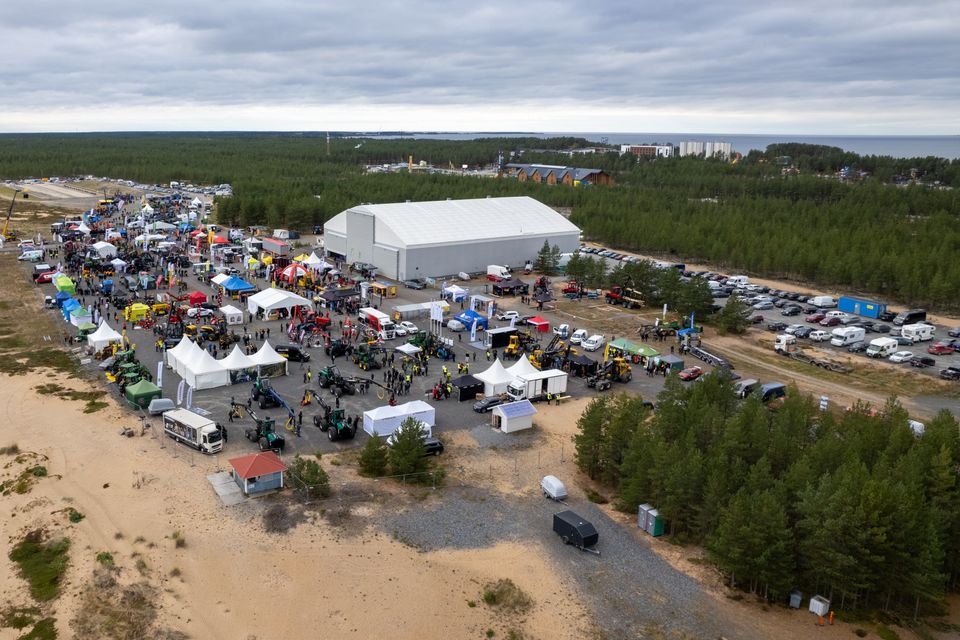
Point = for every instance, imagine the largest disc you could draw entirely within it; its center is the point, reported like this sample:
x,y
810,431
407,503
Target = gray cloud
x,y
879,56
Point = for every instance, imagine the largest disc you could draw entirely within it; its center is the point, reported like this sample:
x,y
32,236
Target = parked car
x,y
954,333
409,327
857,347
832,321
593,343
950,373
415,283
690,373
763,305
819,335
816,317
803,332
578,336
756,318
432,447
881,328
941,349
776,326
399,331
902,356
199,312
792,329
507,315
903,342
790,310
455,325
922,362
486,404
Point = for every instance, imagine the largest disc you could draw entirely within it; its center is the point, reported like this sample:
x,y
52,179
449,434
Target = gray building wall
x,y
360,237
268,482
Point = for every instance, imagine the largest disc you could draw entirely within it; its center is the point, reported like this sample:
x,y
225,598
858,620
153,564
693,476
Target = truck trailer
x,y
536,386
379,321
860,307
193,430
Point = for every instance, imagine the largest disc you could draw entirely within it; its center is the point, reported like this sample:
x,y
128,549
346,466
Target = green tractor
x,y
330,378
366,357
334,423
264,435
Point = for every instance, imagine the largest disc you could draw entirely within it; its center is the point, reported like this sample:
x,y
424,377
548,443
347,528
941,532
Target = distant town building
x,y
648,150
555,174
706,149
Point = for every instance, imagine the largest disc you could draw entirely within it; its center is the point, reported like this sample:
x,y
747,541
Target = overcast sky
x,y
804,67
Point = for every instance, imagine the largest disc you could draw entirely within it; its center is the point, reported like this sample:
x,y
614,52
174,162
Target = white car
x,y
507,315
593,343
199,312
399,331
820,336
455,325
409,327
793,328
902,356
578,336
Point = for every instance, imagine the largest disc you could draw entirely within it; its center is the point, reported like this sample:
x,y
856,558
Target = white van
x,y
837,314
737,281
593,343
578,336
882,347
823,302
918,332
34,255
845,336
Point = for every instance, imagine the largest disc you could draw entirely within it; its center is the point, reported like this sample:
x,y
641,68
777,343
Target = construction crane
x,y
12,235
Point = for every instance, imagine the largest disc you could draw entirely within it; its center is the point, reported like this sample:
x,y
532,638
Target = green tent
x,y
628,349
141,393
65,284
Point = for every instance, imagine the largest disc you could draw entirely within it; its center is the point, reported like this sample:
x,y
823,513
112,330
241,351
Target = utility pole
x,y
328,144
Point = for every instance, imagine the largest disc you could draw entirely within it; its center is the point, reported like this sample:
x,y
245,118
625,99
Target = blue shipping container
x,y
858,307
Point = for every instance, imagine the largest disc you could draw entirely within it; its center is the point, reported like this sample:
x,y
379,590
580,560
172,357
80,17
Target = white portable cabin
x,y
920,332
843,336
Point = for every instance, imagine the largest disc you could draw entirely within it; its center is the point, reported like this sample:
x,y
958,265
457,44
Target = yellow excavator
x,y
8,233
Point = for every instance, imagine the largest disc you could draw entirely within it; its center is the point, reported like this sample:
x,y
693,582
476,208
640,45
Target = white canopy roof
x,y
523,367
103,336
196,202
220,278
204,372
266,355
84,229
178,355
317,263
495,379
228,310
105,249
409,349
383,421
147,209
160,225
271,299
237,360
117,262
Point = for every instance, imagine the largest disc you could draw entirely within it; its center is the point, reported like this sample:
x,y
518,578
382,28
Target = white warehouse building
x,y
431,239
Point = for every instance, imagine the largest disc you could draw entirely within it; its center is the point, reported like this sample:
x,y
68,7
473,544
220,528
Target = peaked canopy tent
x,y
220,278
383,421
141,393
316,263
409,349
522,368
581,365
495,379
469,316
271,299
177,356
242,367
118,265
196,202
160,225
269,363
510,287
231,314
454,292
467,387
105,249
542,325
202,371
103,336
65,284
236,285
68,305
292,272
80,316
197,297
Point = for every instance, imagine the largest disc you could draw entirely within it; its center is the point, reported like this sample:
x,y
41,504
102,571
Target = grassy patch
x,y
11,450
45,629
18,617
42,563
91,398
74,515
506,595
105,558
110,610
886,633
178,540
142,567
595,497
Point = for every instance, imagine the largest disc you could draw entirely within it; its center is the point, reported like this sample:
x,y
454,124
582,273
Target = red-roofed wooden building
x,y
258,472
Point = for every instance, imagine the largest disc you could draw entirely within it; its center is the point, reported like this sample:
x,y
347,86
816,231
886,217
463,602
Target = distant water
x,y
896,146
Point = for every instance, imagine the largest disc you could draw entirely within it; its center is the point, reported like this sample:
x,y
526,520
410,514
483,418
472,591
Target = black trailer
x,y
574,530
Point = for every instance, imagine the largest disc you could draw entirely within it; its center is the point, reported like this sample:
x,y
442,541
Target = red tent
x,y
541,324
195,233
196,298
291,272
219,240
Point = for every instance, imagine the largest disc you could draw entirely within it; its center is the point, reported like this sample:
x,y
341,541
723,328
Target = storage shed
x,y
258,472
513,416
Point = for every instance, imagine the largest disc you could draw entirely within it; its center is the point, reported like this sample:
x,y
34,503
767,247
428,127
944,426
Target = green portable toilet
x,y
654,523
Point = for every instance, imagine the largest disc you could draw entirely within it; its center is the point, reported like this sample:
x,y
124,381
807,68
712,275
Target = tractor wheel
x,y
263,405
264,444
317,423
333,435
350,434
628,377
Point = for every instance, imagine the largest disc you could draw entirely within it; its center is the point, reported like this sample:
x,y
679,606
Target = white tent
x,y
112,234
146,209
523,367
409,349
103,336
177,355
202,371
495,379
220,278
79,315
383,421
316,263
271,299
105,249
118,265
267,356
232,314
84,229
160,225
196,202
237,360
455,292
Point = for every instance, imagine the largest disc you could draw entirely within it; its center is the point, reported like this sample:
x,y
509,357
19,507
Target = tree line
x,y
899,243
852,506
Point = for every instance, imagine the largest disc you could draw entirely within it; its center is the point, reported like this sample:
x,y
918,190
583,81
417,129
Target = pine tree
x,y
406,454
373,457
542,264
590,441
733,318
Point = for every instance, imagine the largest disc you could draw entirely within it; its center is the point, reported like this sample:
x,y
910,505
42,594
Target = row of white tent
x,y
496,377
202,371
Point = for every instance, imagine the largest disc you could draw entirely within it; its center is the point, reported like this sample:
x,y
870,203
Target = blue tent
x,y
69,306
61,297
467,317
237,284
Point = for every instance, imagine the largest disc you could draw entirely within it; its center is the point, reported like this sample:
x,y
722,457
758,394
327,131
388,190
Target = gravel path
x,y
629,589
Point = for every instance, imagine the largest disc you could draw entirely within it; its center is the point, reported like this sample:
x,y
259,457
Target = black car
x,y
779,303
903,342
803,332
950,373
802,298
791,310
923,362
881,328
857,347
293,353
887,316
415,283
488,403
776,326
432,447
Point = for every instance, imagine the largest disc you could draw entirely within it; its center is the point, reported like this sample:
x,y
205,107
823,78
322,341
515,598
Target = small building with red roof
x,y
258,472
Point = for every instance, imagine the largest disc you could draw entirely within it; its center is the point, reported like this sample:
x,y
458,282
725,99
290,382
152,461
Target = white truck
x,y
496,273
918,332
845,336
536,386
379,321
193,430
822,302
882,347
737,281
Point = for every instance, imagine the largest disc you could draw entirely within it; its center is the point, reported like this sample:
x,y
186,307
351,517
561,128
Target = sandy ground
x,y
238,581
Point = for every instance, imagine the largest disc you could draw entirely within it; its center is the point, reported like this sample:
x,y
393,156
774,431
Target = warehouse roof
x,y
457,221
